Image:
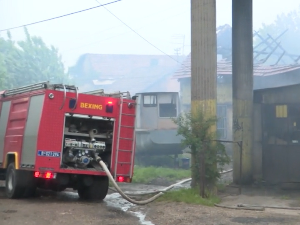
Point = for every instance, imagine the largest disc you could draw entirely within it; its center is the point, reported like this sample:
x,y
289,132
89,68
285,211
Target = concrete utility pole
x,y
204,55
242,86
203,61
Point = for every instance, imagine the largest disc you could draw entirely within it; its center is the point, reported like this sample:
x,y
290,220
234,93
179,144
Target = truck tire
x,y
96,191
13,188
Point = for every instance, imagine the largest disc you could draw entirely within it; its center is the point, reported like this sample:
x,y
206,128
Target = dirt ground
x,y
65,209
187,214
266,197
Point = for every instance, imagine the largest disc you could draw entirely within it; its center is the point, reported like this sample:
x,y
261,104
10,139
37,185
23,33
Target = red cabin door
x,y
16,126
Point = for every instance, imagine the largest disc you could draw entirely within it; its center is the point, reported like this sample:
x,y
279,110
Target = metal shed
x,y
276,146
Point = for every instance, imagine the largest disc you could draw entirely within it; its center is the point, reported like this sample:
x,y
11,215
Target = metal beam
x,y
242,87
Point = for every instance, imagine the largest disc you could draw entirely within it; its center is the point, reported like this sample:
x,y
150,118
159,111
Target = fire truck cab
x,y
51,137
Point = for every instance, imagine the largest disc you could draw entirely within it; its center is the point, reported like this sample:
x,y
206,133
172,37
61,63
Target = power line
x,y
126,32
58,17
148,16
138,33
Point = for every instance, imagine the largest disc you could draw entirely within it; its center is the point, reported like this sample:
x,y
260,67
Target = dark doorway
x,y
281,142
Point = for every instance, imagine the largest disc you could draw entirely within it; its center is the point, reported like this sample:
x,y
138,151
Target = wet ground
x,y
66,209
60,209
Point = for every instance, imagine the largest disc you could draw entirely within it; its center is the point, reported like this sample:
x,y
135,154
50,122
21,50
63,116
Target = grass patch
x,y
190,196
146,174
285,197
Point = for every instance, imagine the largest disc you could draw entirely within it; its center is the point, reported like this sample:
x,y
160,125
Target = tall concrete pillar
x,y
242,87
203,57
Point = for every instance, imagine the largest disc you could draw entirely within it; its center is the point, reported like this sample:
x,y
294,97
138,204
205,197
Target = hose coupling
x,y
98,159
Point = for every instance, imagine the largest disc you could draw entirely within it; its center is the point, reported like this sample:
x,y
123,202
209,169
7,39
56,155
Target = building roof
x,y
133,73
277,87
121,64
140,81
225,68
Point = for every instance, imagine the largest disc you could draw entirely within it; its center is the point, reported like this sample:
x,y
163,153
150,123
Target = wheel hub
x,y
10,182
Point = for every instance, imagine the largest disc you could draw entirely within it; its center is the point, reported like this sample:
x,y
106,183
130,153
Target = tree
x,y
3,73
290,23
31,61
10,61
196,130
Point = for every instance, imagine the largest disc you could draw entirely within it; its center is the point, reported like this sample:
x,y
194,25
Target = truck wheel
x,y
13,188
96,191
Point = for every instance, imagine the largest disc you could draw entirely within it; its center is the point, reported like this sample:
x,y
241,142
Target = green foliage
x,y
29,61
199,134
146,174
3,73
190,196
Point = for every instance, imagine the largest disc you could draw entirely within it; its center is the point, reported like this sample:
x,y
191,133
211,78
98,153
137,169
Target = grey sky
x,y
97,31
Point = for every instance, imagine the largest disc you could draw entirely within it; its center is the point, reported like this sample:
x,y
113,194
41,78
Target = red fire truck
x,y
51,137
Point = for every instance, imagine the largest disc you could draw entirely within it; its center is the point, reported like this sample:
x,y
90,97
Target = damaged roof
x,y
224,67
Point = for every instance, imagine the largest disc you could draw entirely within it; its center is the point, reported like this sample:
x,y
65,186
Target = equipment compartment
x,y
85,138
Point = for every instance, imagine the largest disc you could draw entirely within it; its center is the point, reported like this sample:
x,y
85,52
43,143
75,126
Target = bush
x,y
199,133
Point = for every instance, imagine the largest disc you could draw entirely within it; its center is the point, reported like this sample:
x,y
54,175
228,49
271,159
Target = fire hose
x,y
143,202
161,192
